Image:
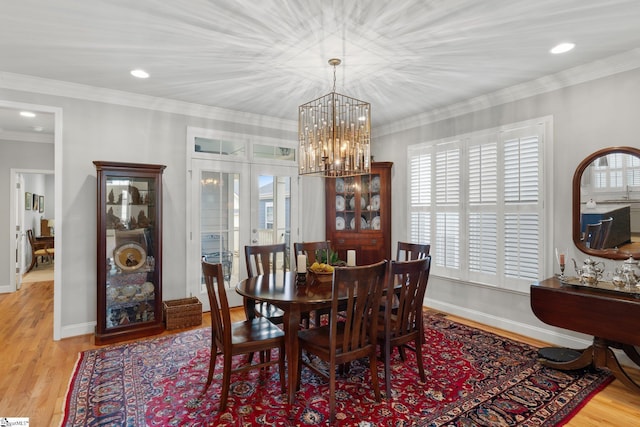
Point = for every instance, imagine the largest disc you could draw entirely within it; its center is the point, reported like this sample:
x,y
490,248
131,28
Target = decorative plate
x,y
339,185
375,202
375,183
340,223
363,223
129,256
340,203
352,203
375,223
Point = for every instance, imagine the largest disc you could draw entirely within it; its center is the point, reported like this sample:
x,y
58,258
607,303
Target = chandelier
x,y
334,133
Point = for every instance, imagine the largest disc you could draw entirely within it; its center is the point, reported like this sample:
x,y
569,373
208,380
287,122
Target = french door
x,y
233,204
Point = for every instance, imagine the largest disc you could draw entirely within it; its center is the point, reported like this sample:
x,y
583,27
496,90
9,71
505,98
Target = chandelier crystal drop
x,y
334,135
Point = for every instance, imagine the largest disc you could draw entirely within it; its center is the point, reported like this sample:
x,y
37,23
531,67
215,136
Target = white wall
x,y
586,117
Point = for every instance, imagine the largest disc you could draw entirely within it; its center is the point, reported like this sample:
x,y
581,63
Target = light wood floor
x,y
35,370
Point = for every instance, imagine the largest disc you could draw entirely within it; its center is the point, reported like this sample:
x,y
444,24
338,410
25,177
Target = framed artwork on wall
x,y
41,204
34,204
27,201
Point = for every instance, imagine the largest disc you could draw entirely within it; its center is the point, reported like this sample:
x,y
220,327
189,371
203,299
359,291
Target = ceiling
x,y
267,57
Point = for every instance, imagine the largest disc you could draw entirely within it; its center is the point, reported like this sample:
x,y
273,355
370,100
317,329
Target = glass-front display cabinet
x,y
129,267
359,214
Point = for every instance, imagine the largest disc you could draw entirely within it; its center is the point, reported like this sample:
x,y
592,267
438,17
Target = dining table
x,y
293,295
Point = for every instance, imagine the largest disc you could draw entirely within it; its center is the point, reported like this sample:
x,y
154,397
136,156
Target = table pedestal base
x,y
599,355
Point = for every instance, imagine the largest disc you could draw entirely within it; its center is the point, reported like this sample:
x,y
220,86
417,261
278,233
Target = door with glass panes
x,y
234,204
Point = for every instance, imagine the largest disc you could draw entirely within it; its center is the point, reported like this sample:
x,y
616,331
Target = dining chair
x,y
229,339
265,259
401,323
591,234
315,251
408,251
38,249
350,337
605,230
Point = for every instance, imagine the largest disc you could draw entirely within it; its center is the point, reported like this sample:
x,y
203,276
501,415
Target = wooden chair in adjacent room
x,y
265,259
603,236
315,251
408,251
402,321
38,249
352,337
591,234
229,339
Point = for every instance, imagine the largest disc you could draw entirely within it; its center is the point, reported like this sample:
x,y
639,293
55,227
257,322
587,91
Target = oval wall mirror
x,y
606,204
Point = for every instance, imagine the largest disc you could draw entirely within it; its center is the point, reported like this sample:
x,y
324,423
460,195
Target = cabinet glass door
x,y
131,278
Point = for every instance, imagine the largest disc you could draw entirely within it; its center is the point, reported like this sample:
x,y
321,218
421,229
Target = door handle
x,y
254,241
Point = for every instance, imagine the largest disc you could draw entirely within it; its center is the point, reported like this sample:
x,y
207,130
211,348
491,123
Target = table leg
x,y
291,326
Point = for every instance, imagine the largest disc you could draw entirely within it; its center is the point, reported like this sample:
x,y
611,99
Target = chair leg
x,y
373,364
419,358
387,367
332,393
212,367
226,383
281,355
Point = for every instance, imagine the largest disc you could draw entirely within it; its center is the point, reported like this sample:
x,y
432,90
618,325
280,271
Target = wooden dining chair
x,y
38,249
591,234
603,236
265,259
350,337
229,339
408,251
401,323
315,251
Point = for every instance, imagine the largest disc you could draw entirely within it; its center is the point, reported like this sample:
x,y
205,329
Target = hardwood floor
x,y
35,370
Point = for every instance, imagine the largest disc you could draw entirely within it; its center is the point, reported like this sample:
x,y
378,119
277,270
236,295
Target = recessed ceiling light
x,y
562,48
141,74
27,114
38,128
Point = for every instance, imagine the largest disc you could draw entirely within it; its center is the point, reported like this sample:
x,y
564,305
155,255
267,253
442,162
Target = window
x,y
478,199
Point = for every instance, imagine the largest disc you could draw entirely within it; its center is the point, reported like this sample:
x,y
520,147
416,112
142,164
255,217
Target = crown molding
x,y
41,85
598,69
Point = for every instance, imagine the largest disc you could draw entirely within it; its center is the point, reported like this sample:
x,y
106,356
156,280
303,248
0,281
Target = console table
x,y
612,317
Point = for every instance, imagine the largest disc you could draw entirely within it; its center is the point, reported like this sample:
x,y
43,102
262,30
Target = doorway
x,y
8,111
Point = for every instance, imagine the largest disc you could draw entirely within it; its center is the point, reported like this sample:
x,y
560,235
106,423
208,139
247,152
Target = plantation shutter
x,y
479,201
447,193
420,197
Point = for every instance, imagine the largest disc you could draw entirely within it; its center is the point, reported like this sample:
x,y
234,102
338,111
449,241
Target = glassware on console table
x,y
561,256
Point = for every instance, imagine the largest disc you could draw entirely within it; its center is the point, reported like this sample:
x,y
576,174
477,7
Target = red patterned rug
x,y
473,378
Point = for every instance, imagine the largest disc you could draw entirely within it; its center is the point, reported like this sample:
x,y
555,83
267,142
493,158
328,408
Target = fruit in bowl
x,y
321,268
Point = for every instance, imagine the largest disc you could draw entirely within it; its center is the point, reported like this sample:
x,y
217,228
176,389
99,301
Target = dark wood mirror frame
x,y
612,253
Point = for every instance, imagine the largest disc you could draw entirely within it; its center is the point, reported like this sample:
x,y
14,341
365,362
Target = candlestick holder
x,y
560,258
301,278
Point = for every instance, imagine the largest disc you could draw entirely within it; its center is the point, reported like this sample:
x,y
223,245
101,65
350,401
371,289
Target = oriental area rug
x,y
473,378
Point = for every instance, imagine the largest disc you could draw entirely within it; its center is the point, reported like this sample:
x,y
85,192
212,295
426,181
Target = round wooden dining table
x,y
293,297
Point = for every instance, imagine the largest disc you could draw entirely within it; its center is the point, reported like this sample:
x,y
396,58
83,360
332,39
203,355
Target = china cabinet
x,y
129,255
359,214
